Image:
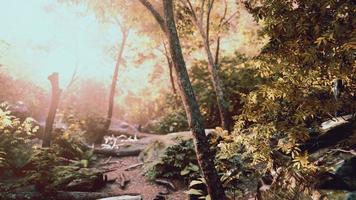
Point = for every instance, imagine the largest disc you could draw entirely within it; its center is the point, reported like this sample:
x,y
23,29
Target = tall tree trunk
x,y
217,84
47,135
114,83
204,155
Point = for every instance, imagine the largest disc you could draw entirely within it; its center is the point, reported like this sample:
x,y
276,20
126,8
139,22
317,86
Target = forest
x,y
177,99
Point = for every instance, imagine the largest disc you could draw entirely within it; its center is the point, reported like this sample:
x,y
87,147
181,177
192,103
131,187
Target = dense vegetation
x,y
283,119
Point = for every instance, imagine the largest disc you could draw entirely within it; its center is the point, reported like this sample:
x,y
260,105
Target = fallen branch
x,y
108,160
353,152
123,181
133,166
67,160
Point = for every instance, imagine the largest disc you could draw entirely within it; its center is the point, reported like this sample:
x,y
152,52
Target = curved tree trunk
x,y
204,155
113,84
47,135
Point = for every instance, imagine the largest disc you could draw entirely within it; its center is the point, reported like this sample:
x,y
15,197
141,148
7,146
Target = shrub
x,y
177,162
173,122
93,127
14,138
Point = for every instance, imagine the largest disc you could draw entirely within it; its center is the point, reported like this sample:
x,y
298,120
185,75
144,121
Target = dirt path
x,y
138,182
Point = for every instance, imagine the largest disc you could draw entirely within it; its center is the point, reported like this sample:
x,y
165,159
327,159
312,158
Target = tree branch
x,y
170,65
210,7
202,12
155,14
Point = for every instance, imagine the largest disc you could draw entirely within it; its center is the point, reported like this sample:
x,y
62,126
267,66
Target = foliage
x,y
197,189
298,72
47,168
282,193
14,138
48,173
178,162
172,122
93,127
237,75
52,168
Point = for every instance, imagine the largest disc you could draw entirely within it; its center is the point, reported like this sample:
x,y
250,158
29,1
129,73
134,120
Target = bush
x,y
177,162
93,127
47,168
173,122
14,138
48,173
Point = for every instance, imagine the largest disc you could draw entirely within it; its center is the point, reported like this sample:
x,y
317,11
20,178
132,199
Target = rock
x,y
343,179
332,132
351,196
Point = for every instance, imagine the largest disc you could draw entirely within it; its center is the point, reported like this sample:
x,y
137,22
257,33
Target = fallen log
x,y
118,152
62,195
87,184
122,152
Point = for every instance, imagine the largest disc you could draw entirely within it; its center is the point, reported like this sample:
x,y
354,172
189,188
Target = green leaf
x,y
85,163
193,167
195,182
185,171
194,192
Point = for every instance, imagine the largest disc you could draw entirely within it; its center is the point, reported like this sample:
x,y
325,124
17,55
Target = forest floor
x,y
138,182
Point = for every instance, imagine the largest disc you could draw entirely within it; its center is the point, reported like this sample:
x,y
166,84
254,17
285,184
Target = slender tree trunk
x,y
217,84
212,65
113,85
217,51
47,135
170,65
204,155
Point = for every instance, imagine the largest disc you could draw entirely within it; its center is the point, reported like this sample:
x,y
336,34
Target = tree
x,y
125,32
311,44
204,155
47,135
198,21
170,66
